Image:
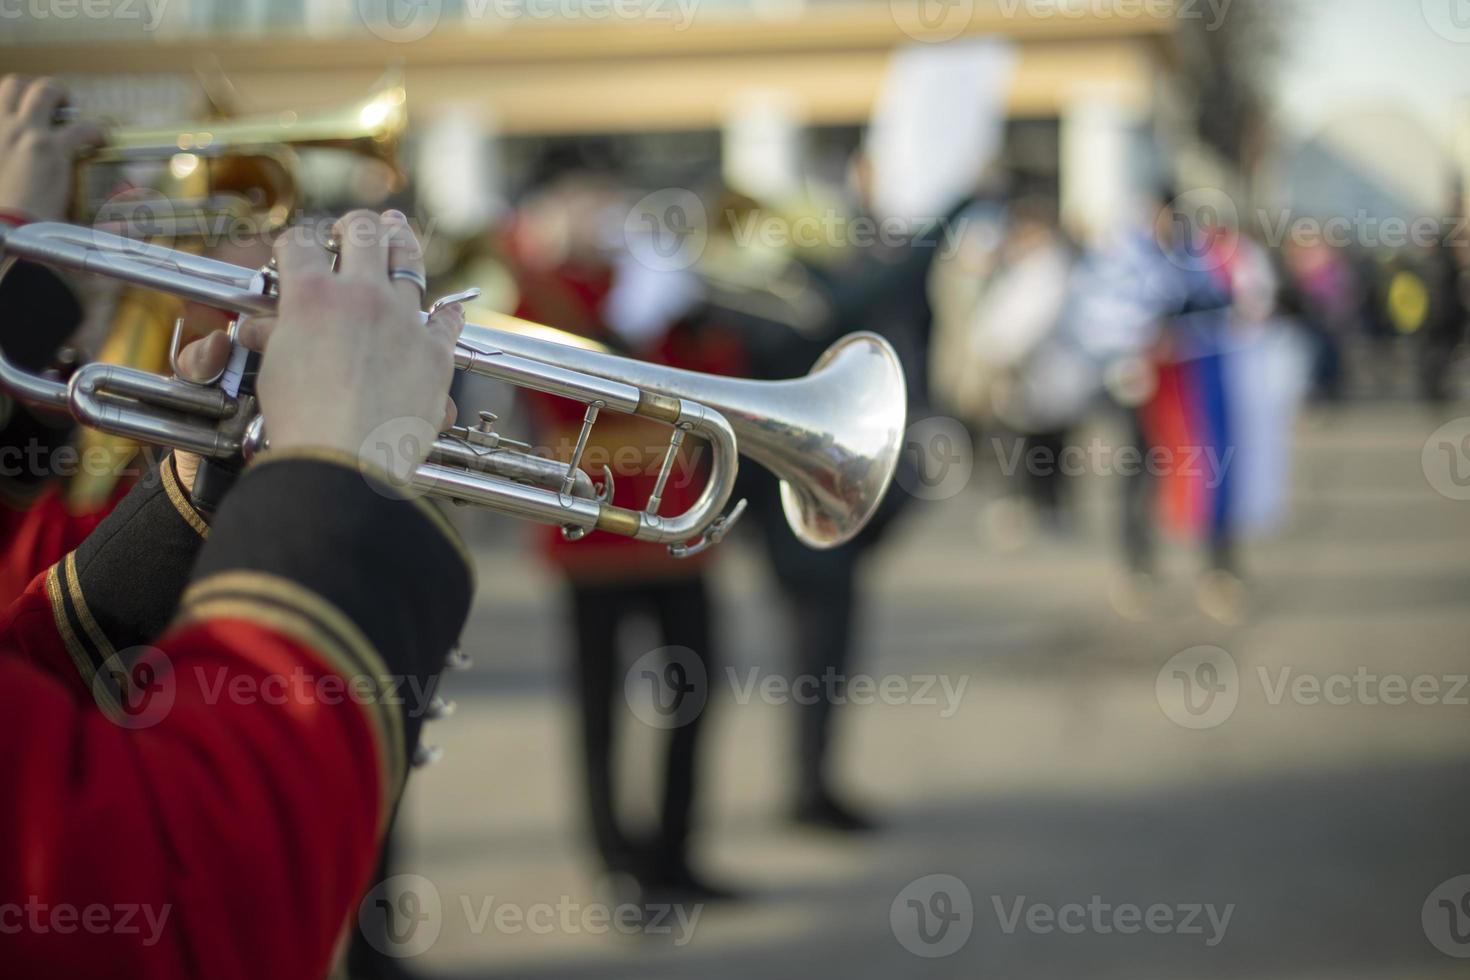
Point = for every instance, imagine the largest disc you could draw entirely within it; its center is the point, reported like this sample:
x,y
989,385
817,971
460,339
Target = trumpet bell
x,y
834,476
832,438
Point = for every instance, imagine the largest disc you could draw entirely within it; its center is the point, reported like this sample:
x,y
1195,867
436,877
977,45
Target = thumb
x,y
205,358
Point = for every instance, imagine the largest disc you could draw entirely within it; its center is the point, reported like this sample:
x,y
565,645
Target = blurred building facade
x,y
1093,85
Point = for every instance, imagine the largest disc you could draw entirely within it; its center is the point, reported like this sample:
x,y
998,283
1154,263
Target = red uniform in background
x,y
35,537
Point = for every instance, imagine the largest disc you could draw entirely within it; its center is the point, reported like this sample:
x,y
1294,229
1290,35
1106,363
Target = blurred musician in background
x,y
568,279
880,286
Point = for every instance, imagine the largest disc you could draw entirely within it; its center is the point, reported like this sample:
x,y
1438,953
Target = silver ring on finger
x,y
413,276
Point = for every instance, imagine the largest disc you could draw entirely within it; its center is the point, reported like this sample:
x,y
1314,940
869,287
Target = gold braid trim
x,y
94,632
180,499
80,658
286,607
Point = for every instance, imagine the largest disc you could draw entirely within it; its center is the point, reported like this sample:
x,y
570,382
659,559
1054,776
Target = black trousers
x,y
822,626
681,611
819,599
1044,485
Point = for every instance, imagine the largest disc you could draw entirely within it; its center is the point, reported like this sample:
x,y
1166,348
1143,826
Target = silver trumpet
x,y
833,437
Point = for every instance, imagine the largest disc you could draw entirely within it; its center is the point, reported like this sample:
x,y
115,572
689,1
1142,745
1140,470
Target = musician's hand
x,y
35,153
348,356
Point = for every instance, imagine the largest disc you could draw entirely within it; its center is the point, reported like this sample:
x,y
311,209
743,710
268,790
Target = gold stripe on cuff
x,y
180,499
84,615
80,658
348,647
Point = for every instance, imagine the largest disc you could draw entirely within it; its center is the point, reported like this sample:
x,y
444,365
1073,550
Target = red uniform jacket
x,y
210,805
196,787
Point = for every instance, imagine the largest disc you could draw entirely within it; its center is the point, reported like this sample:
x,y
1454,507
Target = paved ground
x,y
1321,829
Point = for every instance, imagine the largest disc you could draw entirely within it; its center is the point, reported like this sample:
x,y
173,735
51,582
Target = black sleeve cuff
x,y
121,586
383,581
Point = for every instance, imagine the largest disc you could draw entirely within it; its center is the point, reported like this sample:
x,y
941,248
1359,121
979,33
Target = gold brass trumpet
x,y
261,151
210,179
832,437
